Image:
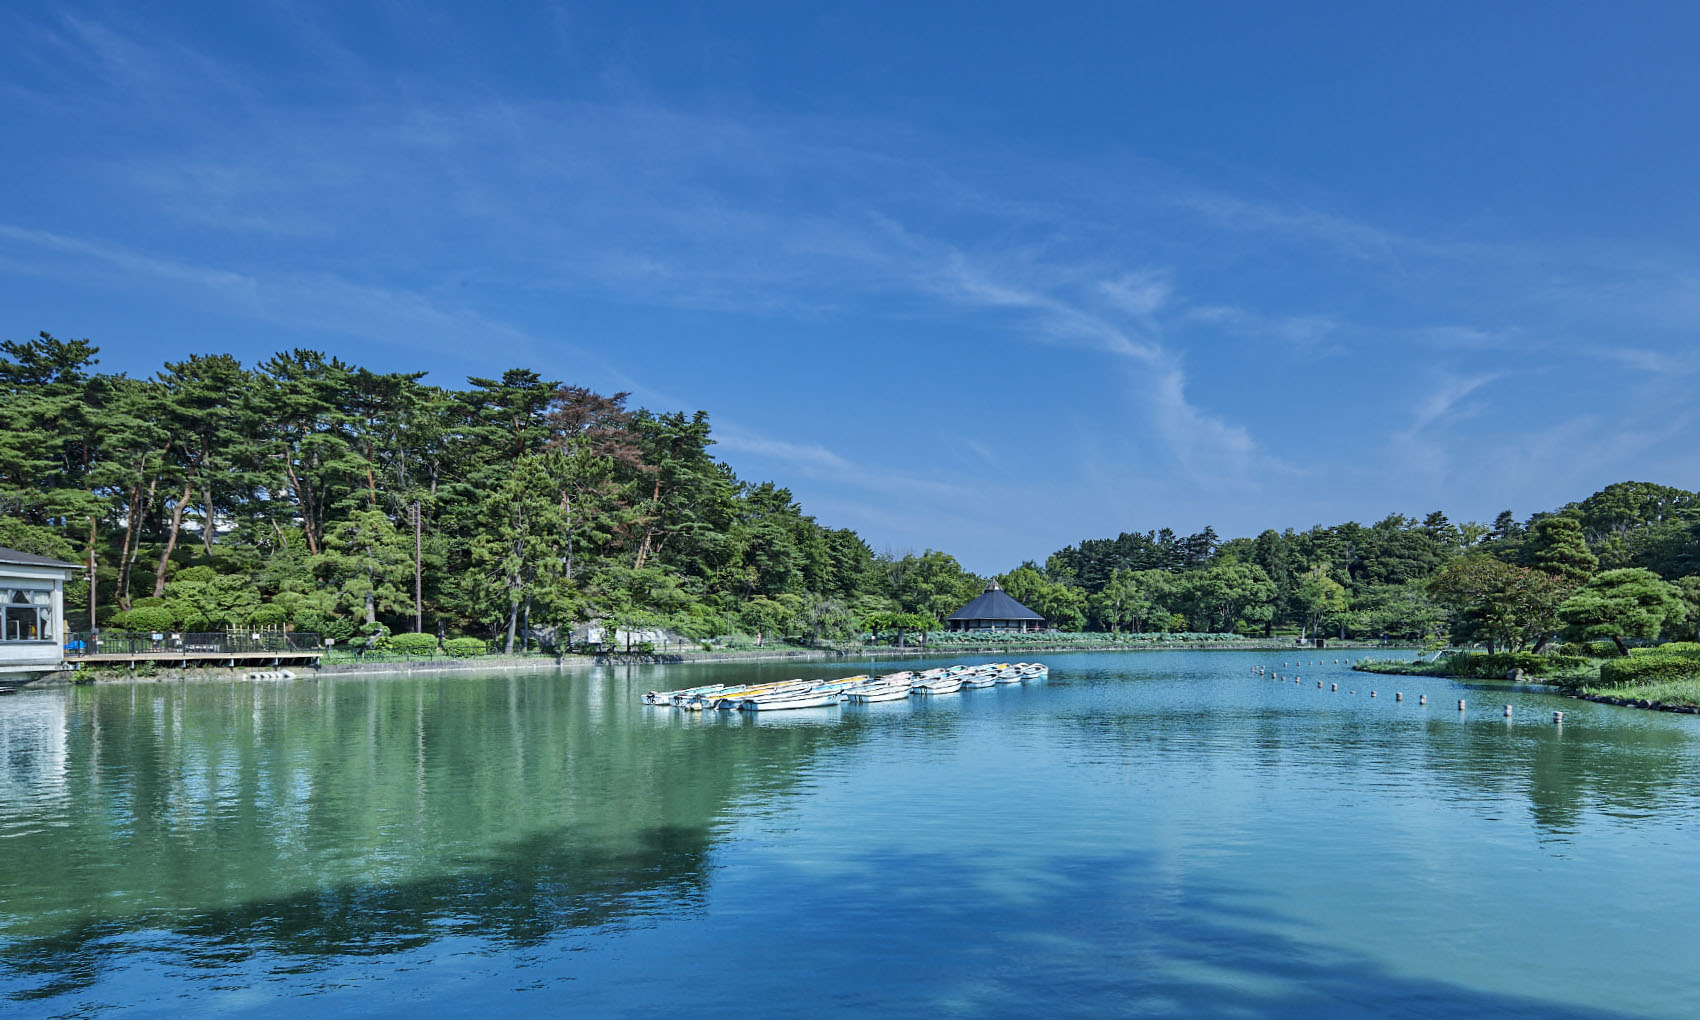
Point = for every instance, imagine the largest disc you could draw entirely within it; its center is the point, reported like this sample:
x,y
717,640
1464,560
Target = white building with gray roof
x,y
32,614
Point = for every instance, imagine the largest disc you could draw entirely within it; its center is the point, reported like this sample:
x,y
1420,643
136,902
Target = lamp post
x,y
418,571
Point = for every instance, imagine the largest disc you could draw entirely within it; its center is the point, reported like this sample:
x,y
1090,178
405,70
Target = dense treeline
x,y
309,493
304,492
1623,563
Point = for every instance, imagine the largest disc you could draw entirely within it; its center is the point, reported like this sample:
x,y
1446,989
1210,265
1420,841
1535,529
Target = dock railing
x,y
165,643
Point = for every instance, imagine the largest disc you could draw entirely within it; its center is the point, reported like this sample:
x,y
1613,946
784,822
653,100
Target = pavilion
x,y
995,610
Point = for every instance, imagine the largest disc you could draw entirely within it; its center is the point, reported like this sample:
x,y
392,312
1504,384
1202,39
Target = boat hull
x,y
782,704
886,694
937,688
674,697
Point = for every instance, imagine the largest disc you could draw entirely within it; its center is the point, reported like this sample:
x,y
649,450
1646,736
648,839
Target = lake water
x,y
1146,833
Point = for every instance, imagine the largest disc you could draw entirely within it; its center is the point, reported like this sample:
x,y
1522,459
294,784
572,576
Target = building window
x,y
26,614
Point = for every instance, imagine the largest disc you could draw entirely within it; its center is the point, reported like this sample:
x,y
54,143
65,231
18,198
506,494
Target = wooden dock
x,y
292,648
174,658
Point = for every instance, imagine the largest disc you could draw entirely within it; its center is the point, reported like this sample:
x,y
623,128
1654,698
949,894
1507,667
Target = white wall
x,y
43,656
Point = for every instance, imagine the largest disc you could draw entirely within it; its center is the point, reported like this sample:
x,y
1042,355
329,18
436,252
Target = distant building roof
x,y
995,604
24,559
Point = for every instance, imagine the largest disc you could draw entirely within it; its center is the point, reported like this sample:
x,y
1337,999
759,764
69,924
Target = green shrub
x,y
1681,649
700,621
315,622
197,574
268,615
1485,666
1638,670
146,619
1081,639
464,647
412,644
644,648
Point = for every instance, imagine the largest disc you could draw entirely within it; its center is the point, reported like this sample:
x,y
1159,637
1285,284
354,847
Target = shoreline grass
x,y
1685,693
1579,679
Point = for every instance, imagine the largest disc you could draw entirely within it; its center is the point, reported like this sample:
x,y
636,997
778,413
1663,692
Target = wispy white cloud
x,y
1140,295
1444,397
1652,362
1420,451
1302,334
425,211
316,302
812,455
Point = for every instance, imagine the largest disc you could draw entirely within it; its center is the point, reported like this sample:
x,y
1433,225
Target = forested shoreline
x,y
308,493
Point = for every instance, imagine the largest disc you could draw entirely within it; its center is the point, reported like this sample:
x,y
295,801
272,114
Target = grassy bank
x,y
1684,693
1667,674
1662,676
1398,667
1565,670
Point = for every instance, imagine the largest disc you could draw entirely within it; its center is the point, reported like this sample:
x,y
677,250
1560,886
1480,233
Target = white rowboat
x,y
890,692
669,697
943,685
806,699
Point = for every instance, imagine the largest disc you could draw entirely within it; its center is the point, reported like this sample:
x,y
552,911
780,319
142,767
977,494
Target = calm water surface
x,y
1156,833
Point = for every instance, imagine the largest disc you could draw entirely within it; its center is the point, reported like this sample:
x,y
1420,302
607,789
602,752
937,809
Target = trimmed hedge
x,y
1639,670
464,647
1085,639
1485,666
145,618
410,644
1678,649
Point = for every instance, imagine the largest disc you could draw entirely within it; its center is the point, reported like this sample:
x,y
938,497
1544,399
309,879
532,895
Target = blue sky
x,y
981,277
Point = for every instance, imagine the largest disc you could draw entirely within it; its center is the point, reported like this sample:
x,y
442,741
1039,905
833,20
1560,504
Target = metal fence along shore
x,y
192,644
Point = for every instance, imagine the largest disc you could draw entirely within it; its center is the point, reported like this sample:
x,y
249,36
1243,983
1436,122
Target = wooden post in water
x,y
1334,687
1460,704
1398,695
1422,699
1507,711
1558,718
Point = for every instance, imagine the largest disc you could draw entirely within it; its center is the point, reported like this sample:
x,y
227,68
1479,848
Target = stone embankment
x,y
1657,706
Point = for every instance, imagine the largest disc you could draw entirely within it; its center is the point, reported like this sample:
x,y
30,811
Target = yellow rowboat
x,y
728,700
706,699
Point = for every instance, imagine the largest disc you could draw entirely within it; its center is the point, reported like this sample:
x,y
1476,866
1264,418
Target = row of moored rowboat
x,y
855,689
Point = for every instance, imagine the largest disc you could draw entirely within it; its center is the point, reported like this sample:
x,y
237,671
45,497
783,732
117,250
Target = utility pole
x,y
418,571
94,581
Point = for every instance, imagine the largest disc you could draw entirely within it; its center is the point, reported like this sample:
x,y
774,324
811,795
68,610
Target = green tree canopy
x,y
1501,603
1631,602
1220,597
1134,600
1556,546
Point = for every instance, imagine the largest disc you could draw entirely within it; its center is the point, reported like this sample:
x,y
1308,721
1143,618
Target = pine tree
x,y
369,564
1557,546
